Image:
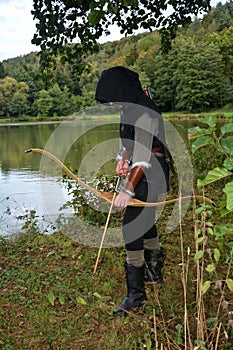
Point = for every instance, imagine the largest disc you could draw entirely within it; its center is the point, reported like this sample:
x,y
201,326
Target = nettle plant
x,y
213,229
222,142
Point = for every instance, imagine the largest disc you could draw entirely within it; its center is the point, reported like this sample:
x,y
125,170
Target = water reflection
x,y
20,173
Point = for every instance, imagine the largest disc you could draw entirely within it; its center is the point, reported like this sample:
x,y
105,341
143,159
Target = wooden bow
x,y
108,196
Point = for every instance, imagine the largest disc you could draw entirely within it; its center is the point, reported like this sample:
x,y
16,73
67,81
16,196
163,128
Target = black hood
x,y
118,84
122,85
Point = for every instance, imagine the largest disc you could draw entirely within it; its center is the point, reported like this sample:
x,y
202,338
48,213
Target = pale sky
x,y
17,28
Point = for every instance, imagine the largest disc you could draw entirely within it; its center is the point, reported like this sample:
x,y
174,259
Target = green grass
x,y
220,114
49,298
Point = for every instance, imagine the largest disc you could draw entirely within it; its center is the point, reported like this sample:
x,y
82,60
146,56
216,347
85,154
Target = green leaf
x,y
227,164
202,141
216,255
220,230
196,131
228,189
210,268
93,4
209,224
227,144
199,210
227,128
199,240
209,119
229,283
112,8
198,255
51,297
80,300
197,232
213,175
61,299
205,286
95,16
97,295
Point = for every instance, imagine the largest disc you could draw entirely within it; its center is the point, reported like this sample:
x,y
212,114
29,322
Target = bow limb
x,y
108,196
69,172
137,203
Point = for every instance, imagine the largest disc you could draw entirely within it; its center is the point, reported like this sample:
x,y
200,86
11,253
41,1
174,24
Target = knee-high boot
x,y
154,263
136,295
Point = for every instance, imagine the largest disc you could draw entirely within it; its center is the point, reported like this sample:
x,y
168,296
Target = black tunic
x,y
121,85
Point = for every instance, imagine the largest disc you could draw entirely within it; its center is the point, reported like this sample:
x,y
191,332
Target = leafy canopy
x,y
83,22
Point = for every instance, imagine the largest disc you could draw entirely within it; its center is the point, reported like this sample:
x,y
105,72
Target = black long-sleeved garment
x,y
122,86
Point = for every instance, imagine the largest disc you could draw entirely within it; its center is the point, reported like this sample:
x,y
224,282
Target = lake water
x,y
32,182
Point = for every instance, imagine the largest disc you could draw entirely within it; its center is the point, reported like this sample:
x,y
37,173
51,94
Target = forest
x,y
196,75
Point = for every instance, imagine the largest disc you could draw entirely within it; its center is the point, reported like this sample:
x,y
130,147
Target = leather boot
x,y
154,263
136,295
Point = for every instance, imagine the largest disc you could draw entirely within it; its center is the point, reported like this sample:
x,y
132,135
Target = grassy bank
x,y
49,298
59,119
221,115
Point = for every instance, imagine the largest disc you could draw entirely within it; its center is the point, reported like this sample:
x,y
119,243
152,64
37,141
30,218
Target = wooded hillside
x,y
195,75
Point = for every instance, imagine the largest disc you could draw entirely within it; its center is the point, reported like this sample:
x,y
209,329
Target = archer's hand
x,y
122,167
122,200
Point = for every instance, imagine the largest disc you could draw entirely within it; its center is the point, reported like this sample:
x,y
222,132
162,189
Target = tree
x,y
2,71
59,101
8,87
89,77
1,103
199,76
162,83
60,23
190,77
86,100
43,103
19,104
222,15
132,56
224,40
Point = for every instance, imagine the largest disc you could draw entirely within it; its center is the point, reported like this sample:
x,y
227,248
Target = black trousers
x,y
139,222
